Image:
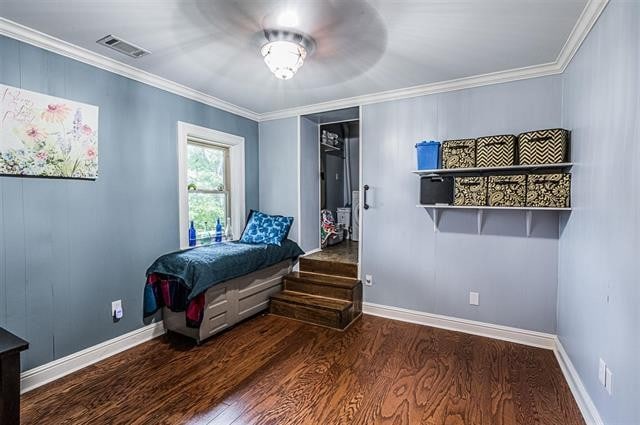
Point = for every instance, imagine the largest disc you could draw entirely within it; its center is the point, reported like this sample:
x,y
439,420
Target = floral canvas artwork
x,y
46,136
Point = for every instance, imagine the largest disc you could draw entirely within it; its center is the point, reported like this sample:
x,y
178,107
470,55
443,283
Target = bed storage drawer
x,y
229,302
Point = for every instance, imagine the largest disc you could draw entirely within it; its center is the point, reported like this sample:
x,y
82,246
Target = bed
x,y
204,290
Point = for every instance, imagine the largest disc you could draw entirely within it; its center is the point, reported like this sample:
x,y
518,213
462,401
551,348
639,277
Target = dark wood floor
x,y
272,370
344,252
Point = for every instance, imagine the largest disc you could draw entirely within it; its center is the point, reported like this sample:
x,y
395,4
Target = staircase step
x,y
333,268
312,300
329,312
324,285
324,279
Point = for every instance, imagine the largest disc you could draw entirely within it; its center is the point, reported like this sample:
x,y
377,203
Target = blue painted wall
x,y
309,222
279,169
68,248
599,295
416,268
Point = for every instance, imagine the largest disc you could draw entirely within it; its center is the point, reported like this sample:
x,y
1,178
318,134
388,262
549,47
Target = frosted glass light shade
x,y
283,58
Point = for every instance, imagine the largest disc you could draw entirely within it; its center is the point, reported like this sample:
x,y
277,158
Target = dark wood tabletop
x,y
9,343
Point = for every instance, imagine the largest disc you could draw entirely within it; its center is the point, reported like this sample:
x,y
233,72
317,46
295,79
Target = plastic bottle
x,y
218,231
192,235
228,232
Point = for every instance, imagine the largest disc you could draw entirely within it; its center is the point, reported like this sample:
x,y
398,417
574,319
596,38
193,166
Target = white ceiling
x,y
363,47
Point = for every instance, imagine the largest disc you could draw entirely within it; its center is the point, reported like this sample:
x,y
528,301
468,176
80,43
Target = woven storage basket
x,y
470,191
459,153
496,151
543,146
507,191
549,190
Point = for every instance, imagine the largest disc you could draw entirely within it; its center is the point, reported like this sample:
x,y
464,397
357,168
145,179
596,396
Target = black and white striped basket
x,y
543,146
496,151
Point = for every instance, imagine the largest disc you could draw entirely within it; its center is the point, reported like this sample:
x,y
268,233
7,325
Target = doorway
x,y
330,190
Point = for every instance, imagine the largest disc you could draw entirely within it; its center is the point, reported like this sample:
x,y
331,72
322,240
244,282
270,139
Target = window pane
x,y
205,167
204,210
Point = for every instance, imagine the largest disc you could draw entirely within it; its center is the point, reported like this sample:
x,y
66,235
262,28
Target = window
x,y
208,184
210,181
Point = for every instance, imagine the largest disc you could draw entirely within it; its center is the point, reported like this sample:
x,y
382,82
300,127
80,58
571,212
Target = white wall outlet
x,y
474,298
608,381
602,367
368,280
116,310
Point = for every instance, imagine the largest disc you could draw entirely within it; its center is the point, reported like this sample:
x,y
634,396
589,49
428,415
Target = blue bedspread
x,y
202,267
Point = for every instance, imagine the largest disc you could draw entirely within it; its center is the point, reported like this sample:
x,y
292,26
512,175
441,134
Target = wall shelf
x,y
481,170
480,211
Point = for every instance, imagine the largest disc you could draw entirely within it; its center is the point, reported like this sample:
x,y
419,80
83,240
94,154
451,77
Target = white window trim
x,y
236,160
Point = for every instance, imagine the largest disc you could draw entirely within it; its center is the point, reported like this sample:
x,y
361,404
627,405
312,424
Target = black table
x,y
10,348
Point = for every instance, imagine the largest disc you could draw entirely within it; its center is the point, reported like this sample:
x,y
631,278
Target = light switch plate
x,y
474,298
602,367
609,381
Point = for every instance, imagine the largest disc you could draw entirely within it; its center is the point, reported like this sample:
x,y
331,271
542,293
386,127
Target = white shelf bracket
x,y
480,217
436,219
529,218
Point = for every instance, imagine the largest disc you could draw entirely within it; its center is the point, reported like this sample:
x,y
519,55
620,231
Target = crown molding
x,y
581,29
421,90
588,18
36,38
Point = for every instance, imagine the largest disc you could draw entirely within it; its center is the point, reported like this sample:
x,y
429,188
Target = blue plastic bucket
x,y
428,155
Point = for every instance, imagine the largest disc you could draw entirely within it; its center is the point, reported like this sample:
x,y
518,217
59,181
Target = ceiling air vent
x,y
122,46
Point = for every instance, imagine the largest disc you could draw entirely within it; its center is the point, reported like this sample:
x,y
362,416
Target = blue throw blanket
x,y
202,267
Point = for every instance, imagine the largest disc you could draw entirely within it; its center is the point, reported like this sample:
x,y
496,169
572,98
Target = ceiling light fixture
x,y
285,52
288,18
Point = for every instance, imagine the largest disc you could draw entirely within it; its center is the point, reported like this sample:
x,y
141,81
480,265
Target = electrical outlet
x,y
116,310
368,280
608,381
474,298
602,367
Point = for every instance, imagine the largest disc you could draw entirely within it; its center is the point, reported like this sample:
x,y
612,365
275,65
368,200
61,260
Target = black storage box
x,y
436,190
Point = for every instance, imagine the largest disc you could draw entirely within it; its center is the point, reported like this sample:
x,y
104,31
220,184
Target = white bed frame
x,y
230,302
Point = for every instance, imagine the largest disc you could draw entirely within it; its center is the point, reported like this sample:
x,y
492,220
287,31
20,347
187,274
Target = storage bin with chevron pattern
x,y
459,153
543,146
507,191
496,151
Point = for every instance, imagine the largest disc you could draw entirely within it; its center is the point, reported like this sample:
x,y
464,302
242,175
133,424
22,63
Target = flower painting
x,y
45,136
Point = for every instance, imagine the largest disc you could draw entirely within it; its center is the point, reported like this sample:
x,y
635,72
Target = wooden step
x,y
342,288
330,312
332,268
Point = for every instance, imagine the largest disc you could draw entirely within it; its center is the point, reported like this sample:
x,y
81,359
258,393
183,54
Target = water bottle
x,y
218,231
228,232
192,235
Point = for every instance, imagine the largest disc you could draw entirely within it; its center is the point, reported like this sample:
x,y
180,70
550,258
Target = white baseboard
x,y
51,371
505,333
520,336
586,405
